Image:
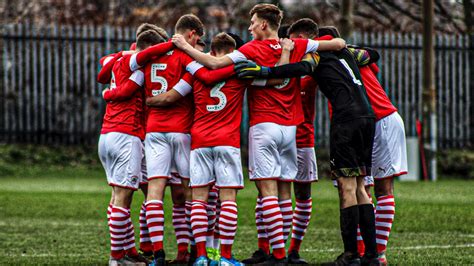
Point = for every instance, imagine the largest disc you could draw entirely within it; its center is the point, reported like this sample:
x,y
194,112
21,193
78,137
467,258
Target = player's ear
x,y
264,25
191,33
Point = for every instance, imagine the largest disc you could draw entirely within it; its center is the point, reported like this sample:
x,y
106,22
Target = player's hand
x,y
249,69
287,44
341,42
103,92
179,41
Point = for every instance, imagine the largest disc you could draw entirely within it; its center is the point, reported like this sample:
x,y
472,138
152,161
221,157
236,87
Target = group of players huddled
x,y
173,118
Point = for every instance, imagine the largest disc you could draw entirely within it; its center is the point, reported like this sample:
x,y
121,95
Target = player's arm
x,y
143,57
126,90
307,66
205,59
287,46
208,76
181,89
107,62
335,44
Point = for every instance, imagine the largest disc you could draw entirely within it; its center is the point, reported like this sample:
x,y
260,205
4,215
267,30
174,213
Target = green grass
x,y
57,216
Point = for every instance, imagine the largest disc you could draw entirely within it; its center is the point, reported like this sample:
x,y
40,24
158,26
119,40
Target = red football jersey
x,y
379,100
280,104
125,116
161,74
218,113
305,130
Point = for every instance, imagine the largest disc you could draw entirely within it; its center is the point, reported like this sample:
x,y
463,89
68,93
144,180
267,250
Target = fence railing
x,y
49,93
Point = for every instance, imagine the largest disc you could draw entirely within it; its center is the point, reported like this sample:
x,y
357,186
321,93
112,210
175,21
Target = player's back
x,y
124,116
161,74
280,104
218,113
339,80
379,100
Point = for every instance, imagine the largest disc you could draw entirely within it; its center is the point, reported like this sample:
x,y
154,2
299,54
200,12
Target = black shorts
x,y
351,145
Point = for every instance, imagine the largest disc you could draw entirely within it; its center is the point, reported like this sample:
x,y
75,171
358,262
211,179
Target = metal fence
x,y
49,94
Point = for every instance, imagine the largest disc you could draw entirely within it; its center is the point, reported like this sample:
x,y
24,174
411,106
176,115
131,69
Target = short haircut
x,y
147,26
283,31
271,13
189,22
329,30
222,42
306,26
147,39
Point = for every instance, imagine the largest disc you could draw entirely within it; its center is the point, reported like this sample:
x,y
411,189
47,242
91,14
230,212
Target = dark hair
x,y
189,22
306,26
329,30
147,39
238,41
283,31
271,13
147,26
201,42
222,42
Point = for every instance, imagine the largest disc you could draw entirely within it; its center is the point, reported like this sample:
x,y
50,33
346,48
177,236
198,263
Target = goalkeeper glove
x,y
249,69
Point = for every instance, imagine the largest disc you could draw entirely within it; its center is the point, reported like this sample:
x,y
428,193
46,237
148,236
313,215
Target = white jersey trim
x,y
312,46
193,67
236,56
107,60
138,77
183,88
259,82
133,62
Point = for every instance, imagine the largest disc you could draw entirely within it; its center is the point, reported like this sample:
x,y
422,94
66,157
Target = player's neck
x,y
270,35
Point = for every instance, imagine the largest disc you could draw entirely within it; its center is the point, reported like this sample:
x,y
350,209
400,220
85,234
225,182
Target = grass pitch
x,y
58,217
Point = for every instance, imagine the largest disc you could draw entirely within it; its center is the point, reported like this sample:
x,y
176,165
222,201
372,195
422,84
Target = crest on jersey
x,y
170,52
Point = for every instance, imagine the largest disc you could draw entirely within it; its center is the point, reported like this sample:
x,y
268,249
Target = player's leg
x,y
212,252
265,170
201,178
286,207
229,179
158,158
307,173
179,220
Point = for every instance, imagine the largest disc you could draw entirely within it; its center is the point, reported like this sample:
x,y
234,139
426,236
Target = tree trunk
x,y
346,20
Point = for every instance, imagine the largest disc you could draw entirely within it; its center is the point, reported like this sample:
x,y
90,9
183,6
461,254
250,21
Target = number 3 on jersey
x,y
158,79
215,92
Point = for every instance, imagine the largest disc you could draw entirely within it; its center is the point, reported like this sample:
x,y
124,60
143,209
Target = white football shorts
x,y
121,156
307,167
167,153
389,155
272,152
221,165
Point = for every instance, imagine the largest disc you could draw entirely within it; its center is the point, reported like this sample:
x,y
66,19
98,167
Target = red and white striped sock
x,y
180,227
274,225
301,218
109,211
216,229
188,207
286,209
228,227
211,214
129,244
118,228
384,215
155,219
360,243
199,224
145,241
262,236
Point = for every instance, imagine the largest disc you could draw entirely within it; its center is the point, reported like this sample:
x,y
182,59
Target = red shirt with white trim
x,y
279,104
378,98
161,74
305,130
125,116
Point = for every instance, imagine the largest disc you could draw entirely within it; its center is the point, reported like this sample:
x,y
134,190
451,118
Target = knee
x,y
383,187
302,191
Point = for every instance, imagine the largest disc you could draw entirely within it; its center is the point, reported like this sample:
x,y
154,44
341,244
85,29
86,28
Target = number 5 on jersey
x,y
215,92
155,78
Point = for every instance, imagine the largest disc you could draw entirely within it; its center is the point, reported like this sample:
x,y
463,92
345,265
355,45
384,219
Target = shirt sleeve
x,y
312,46
259,82
138,77
236,56
183,87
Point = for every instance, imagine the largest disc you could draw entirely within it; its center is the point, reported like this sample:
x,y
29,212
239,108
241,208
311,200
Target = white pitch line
x,y
470,245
